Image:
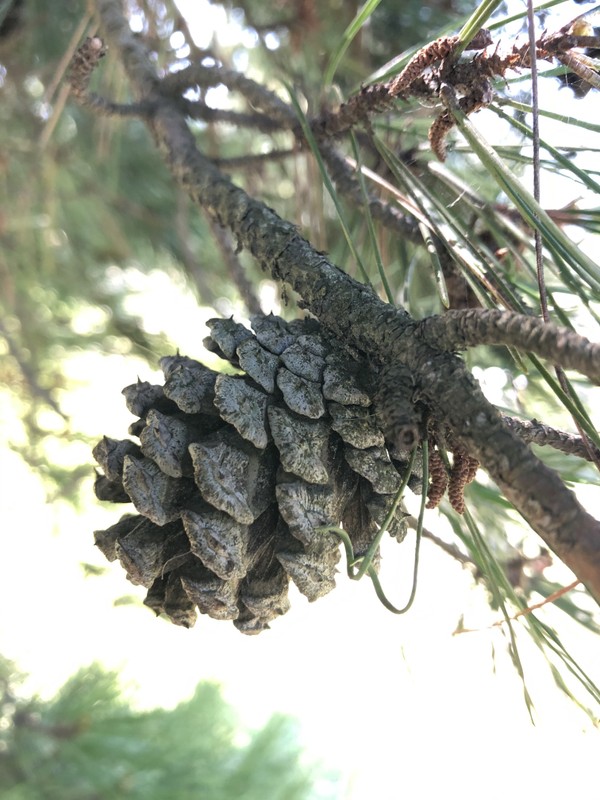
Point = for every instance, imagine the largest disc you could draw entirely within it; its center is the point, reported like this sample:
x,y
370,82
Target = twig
x,y
60,102
189,258
535,432
199,75
252,159
539,256
234,267
28,374
196,109
550,599
451,549
342,171
524,611
460,329
64,62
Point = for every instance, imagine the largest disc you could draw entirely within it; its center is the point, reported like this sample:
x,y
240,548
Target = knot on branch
x,y
400,416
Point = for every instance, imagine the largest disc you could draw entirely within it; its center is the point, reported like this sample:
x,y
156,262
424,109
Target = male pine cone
x,y
235,474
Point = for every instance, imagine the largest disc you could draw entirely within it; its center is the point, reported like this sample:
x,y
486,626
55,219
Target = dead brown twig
x,y
524,611
436,65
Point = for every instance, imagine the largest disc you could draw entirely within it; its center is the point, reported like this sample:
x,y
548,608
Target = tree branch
x,y
199,75
450,549
195,109
457,330
234,268
347,184
385,334
534,432
252,160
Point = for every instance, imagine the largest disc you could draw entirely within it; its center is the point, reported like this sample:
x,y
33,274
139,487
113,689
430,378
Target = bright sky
x,y
399,704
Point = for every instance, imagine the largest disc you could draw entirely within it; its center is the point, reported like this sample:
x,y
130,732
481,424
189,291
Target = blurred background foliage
x,y
89,742
88,213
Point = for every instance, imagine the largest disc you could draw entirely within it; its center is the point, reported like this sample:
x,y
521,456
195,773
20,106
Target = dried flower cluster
x,y
235,474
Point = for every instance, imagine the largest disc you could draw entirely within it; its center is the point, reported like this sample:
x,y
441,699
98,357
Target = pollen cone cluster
x,y
234,474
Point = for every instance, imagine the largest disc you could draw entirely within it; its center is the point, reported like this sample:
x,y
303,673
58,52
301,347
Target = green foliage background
x,y
88,741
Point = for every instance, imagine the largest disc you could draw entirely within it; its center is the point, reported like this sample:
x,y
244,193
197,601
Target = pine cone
x,y
234,474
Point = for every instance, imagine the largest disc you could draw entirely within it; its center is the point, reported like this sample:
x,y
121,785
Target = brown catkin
x,y
438,479
480,95
438,132
473,465
459,477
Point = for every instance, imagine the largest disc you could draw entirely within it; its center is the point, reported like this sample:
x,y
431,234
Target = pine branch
x,y
234,268
347,184
535,432
196,109
457,330
357,317
200,76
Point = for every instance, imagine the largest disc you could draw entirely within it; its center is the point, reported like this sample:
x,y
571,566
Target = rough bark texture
x,y
387,335
457,330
